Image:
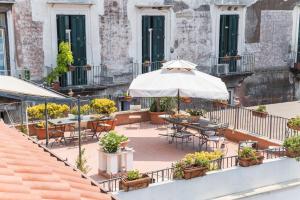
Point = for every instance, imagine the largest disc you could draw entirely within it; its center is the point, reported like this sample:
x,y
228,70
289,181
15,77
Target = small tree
x,y
82,164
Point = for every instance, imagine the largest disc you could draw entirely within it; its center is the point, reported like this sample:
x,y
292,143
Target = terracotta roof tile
x,y
28,172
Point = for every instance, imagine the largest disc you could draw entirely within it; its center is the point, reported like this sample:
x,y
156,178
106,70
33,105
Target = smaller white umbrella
x,y
179,64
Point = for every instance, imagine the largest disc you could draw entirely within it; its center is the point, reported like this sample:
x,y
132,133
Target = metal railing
x,y
112,185
19,73
271,127
232,65
141,68
85,76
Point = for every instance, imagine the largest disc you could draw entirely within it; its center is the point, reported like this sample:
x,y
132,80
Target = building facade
x,y
251,44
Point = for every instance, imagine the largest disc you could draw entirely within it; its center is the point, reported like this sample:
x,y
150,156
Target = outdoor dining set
x,y
91,126
205,131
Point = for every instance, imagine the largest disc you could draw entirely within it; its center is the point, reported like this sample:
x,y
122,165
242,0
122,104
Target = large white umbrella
x,y
178,78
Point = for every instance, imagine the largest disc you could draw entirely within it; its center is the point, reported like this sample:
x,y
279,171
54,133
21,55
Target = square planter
x,y
259,114
247,162
127,185
155,119
194,172
41,132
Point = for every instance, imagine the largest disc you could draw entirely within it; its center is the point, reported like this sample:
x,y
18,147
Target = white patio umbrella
x,y
178,78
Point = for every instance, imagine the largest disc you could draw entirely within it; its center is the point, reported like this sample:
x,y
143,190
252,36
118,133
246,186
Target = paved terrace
x,y
152,152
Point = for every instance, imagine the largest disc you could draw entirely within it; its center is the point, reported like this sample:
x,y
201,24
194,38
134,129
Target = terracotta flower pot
x,y
297,128
247,162
155,119
193,172
292,154
186,99
220,104
41,132
127,98
259,114
124,144
71,68
55,86
127,185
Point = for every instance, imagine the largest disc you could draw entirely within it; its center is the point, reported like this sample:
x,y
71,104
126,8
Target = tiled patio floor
x,y
152,152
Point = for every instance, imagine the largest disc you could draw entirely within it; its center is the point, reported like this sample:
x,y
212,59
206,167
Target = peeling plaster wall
x,y
28,39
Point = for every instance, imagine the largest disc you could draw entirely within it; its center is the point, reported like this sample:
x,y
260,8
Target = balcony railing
x,y
20,73
232,65
85,76
141,68
293,61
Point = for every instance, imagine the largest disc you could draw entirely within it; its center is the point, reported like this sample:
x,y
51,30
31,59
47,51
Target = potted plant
x,y
238,57
186,100
84,110
126,97
292,146
195,165
294,123
249,156
71,68
87,67
195,114
63,61
260,111
124,141
220,104
134,180
161,106
146,63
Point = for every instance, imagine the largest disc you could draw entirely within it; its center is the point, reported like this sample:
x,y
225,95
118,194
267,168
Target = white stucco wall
x,y
221,183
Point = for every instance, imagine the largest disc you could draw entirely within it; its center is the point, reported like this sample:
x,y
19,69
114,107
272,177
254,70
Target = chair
x,y
58,134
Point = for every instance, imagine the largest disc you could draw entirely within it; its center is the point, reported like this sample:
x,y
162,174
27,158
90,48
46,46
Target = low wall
x,y
220,183
123,117
238,136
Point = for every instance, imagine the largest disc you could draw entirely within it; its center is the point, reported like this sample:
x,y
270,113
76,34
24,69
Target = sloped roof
x,y
28,172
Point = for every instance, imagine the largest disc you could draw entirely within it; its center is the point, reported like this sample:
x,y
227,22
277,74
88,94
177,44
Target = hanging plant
x,y
63,61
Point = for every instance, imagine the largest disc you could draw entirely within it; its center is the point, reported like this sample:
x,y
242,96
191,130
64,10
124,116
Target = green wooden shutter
x,y
158,38
62,22
146,25
78,44
298,50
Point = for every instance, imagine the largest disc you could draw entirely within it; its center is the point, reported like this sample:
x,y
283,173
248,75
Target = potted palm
x,y
161,106
260,111
249,156
294,123
292,146
134,180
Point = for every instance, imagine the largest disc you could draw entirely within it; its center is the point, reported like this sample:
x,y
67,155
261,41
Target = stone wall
x,y
28,39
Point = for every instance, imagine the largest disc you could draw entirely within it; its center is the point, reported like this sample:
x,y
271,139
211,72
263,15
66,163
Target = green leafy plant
x,y
196,112
64,59
133,175
54,111
165,104
294,122
292,144
261,108
198,159
103,106
111,141
40,124
84,110
248,152
82,164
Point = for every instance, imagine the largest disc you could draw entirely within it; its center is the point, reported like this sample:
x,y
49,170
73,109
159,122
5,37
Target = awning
x,y
15,88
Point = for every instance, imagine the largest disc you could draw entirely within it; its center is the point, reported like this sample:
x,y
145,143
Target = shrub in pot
x,y
134,180
249,156
195,114
292,146
103,106
161,106
84,110
112,141
195,165
260,111
294,123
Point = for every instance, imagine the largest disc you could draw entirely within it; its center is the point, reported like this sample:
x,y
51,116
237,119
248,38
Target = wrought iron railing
x,y
85,76
232,65
19,73
112,185
141,68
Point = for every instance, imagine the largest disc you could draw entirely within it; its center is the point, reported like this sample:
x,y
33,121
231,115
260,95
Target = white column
x,y
101,160
112,163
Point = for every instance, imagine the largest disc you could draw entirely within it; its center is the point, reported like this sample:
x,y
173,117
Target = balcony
x,y
240,65
85,77
293,62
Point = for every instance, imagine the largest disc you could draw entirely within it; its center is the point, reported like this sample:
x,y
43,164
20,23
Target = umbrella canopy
x,y
179,64
174,81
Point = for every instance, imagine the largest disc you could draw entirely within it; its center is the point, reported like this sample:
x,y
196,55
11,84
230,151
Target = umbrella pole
x,y
178,102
